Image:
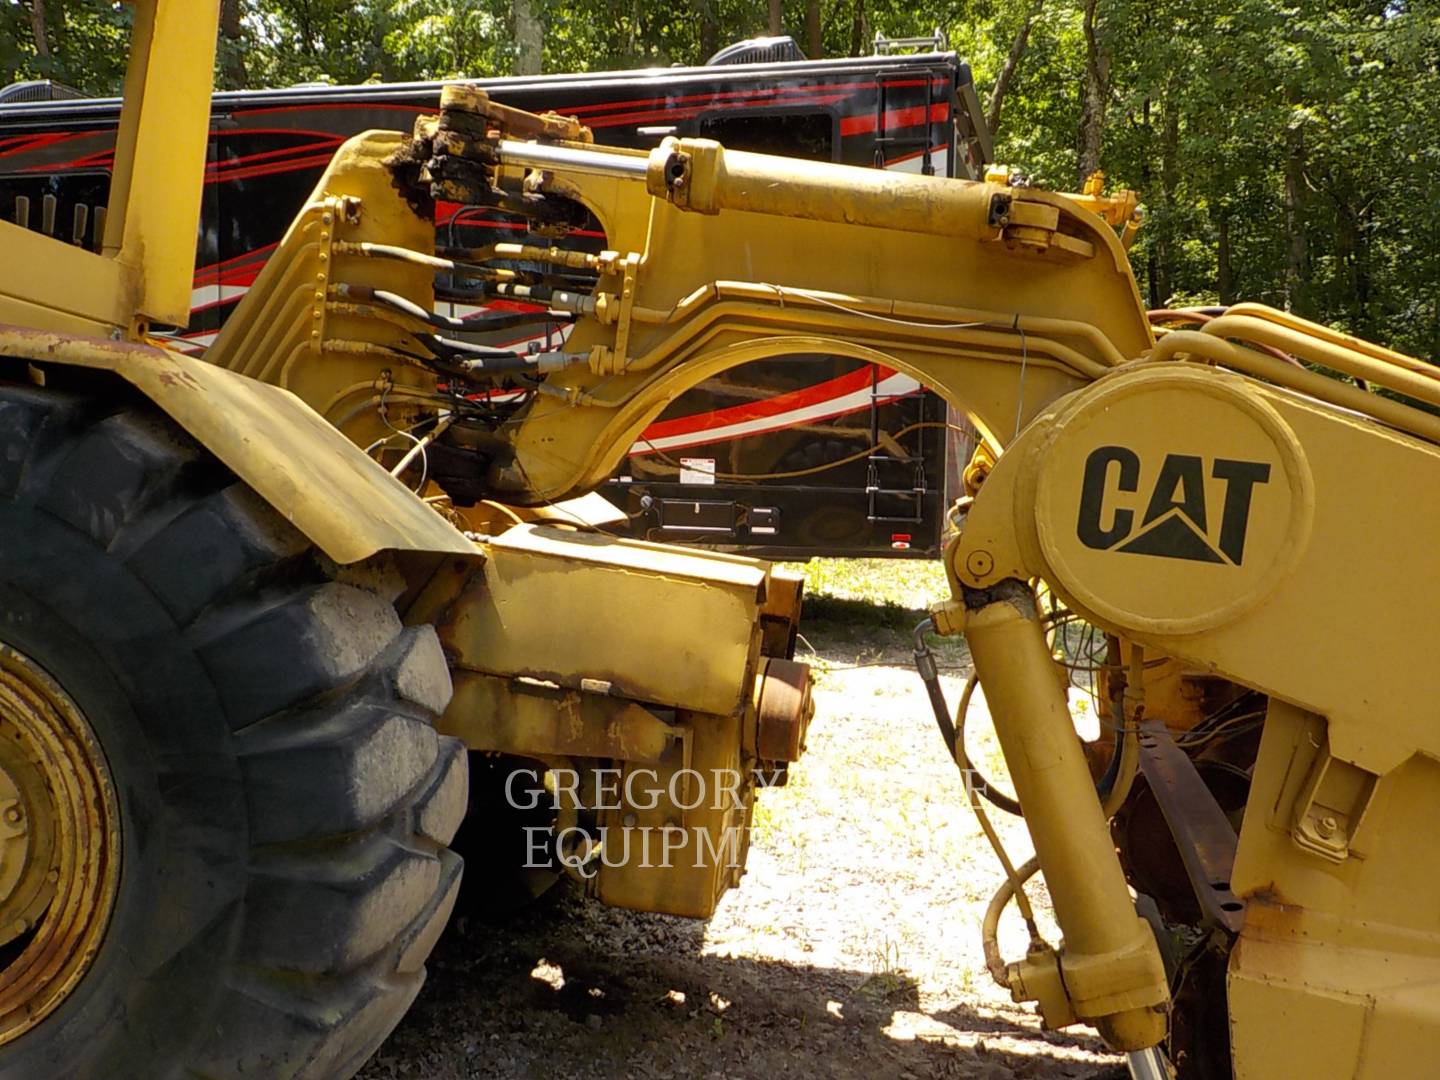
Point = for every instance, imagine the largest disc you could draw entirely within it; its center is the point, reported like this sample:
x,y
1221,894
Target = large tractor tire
x,y
224,807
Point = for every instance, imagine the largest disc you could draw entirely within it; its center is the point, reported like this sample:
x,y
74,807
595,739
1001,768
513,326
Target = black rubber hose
x,y
954,739
478,359
499,320
1106,783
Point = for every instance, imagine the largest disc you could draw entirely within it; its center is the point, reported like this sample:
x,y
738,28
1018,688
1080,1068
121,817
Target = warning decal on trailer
x,y
697,470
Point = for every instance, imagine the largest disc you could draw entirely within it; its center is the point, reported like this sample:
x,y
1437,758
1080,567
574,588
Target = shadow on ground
x,y
576,990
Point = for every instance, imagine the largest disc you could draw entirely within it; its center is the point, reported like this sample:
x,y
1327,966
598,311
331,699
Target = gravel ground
x,y
850,949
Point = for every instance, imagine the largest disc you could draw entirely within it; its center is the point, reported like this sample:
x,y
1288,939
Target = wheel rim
x,y
59,844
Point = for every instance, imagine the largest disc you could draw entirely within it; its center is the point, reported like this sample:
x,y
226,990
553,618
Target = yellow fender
x,y
341,500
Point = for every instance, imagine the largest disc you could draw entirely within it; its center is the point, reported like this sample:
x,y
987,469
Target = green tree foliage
x,y
1286,150
77,42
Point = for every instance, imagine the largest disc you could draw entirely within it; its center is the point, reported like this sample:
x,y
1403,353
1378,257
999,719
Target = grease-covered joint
x,y
454,156
407,166
1012,591
474,111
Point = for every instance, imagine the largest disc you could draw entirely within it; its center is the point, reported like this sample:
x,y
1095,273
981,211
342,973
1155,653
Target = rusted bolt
x,y
979,563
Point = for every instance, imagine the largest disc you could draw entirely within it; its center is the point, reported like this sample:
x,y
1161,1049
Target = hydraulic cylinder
x,y
1109,961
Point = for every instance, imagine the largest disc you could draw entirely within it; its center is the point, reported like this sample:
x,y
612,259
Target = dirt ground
x,y
851,948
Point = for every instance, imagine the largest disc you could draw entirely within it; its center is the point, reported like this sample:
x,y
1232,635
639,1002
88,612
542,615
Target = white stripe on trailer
x,y
895,386
210,295
914,163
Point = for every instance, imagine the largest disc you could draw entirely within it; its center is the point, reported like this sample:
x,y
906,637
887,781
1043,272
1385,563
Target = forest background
x,y
1287,153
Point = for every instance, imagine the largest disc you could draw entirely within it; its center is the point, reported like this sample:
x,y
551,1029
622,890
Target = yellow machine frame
x,y
1197,496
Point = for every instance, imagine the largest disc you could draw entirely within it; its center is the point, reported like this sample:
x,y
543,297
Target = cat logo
x,y
1177,520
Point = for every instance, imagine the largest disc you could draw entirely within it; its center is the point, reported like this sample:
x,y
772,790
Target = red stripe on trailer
x,y
755,92
320,161
894,118
235,259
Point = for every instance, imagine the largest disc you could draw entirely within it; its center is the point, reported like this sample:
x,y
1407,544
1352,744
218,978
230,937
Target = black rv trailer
x,y
788,457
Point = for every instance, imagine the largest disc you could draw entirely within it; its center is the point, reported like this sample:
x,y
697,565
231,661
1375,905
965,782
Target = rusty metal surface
x,y
1202,832
783,710
63,825
780,615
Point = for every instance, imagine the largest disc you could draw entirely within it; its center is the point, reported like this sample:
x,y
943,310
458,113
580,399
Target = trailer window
x,y
808,135
69,206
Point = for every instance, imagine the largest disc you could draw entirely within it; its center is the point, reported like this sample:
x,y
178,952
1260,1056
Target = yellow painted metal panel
x,y
51,285
584,610
162,212
155,192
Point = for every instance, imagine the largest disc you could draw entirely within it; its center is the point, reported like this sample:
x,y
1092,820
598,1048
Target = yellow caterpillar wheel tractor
x,y
257,610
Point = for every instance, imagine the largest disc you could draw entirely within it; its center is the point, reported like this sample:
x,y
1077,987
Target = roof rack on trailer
x,y
888,46
762,50
38,90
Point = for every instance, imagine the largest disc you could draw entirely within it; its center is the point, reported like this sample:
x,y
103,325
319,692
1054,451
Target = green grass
x,y
912,584
887,592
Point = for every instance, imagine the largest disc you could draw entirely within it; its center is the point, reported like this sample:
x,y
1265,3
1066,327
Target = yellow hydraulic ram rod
x,y
1109,968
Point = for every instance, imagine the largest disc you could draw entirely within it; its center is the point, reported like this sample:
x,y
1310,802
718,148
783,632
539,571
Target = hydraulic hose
x,y
1012,886
1112,788
955,736
1014,880
493,320
1119,777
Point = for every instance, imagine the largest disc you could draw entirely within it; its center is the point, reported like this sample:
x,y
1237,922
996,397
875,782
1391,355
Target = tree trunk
x,y
1364,324
1008,69
632,30
1147,183
1169,181
57,25
529,38
1224,259
1297,262
1096,94
1434,351
1352,251
775,20
709,28
858,35
232,53
813,47
37,28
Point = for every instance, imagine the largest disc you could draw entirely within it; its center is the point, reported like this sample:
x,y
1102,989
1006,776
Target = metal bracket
x,y
1331,806
612,361
1201,830
330,212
